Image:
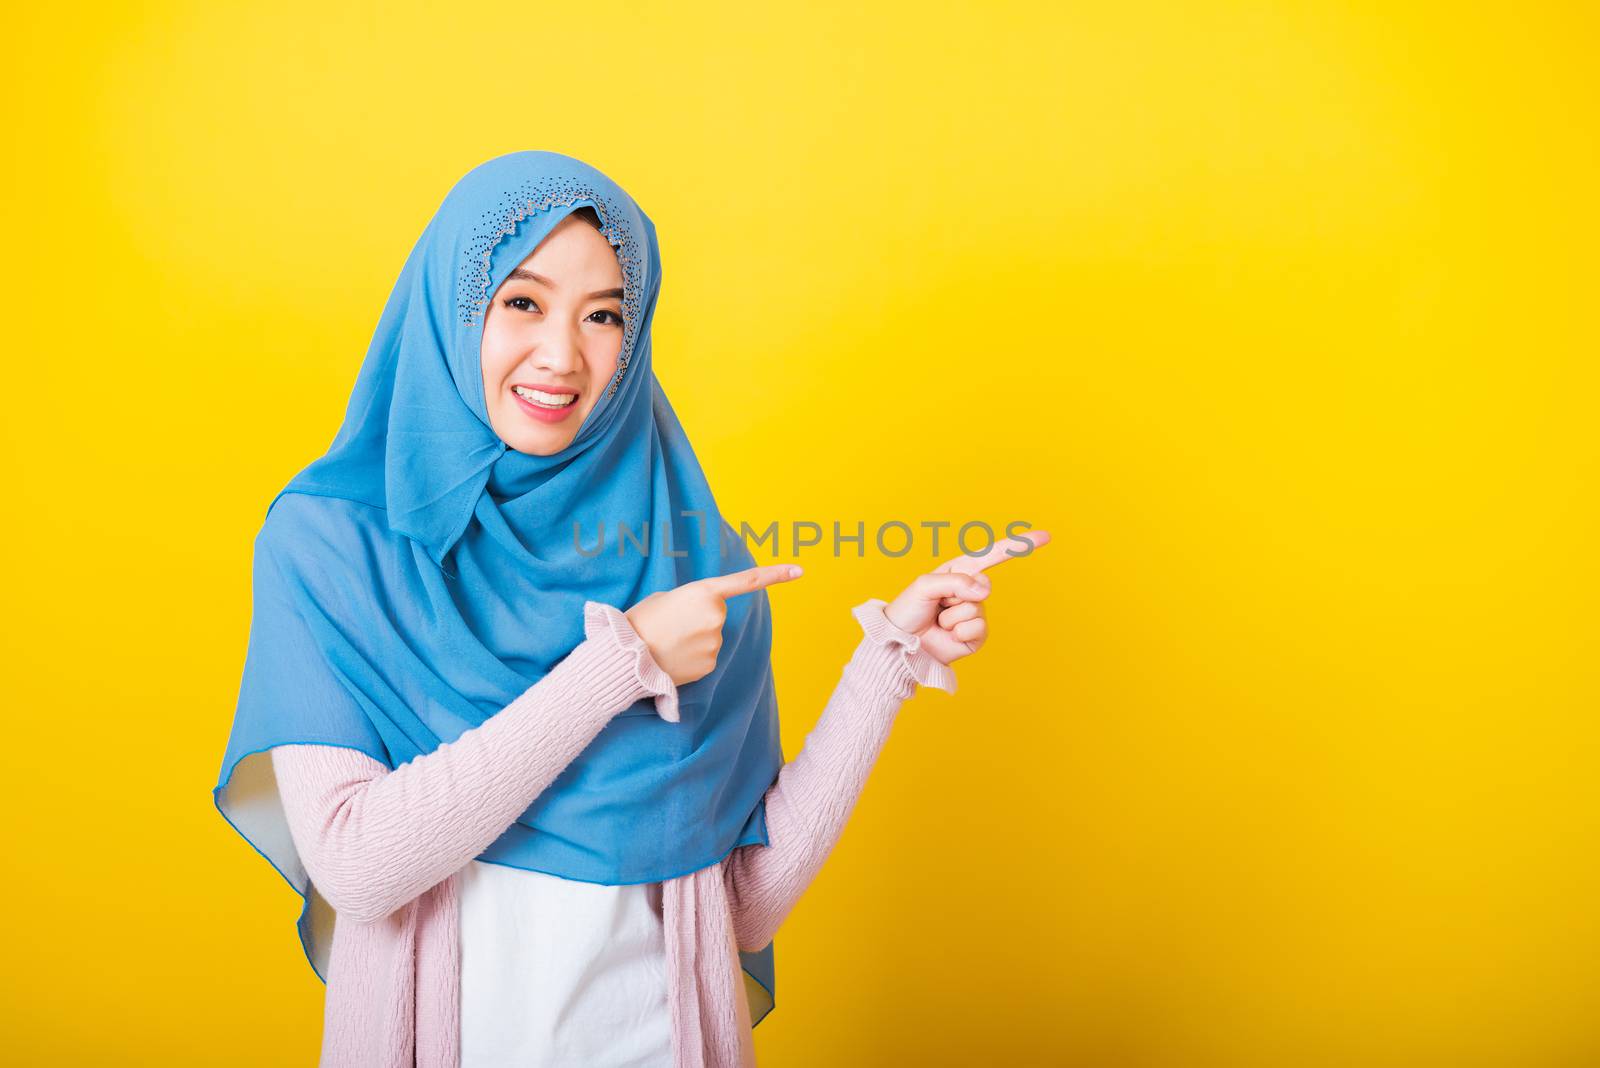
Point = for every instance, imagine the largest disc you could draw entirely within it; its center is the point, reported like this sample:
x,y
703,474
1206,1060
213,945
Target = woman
x,y
531,827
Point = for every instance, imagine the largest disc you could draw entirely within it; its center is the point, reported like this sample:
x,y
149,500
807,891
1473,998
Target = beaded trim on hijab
x,y
535,195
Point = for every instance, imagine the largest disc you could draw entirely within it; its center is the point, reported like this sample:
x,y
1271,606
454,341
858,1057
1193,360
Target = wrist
x,y
614,625
883,633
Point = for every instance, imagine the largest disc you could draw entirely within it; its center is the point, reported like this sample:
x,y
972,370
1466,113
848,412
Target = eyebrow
x,y
528,276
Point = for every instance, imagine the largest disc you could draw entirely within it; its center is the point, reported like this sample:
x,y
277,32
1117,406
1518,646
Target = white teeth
x,y
548,400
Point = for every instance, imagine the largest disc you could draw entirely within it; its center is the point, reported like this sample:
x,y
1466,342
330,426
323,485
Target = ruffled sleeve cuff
x,y
922,665
605,619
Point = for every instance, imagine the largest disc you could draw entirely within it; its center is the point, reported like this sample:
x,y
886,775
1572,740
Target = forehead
x,y
574,239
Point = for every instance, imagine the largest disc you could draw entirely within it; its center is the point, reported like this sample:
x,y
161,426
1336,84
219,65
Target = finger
x,y
750,579
971,631
983,582
1008,548
936,588
960,612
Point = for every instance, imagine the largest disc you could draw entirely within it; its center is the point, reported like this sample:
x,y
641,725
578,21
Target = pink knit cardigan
x,y
383,847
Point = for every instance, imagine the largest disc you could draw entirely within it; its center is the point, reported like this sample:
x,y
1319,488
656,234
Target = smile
x,y
543,399
547,406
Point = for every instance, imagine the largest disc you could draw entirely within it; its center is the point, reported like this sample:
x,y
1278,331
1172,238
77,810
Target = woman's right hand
x,y
683,626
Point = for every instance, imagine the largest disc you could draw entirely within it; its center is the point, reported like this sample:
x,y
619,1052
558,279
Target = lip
x,y
544,415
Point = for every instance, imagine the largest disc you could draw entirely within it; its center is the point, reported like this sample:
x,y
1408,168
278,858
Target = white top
x,y
560,972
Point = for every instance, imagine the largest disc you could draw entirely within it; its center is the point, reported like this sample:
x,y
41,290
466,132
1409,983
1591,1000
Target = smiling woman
x,y
550,347
531,827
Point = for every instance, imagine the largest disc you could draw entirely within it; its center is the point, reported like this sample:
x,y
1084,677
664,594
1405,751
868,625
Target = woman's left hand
x,y
945,606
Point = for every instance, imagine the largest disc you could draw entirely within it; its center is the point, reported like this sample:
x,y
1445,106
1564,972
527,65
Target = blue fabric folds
x,y
421,574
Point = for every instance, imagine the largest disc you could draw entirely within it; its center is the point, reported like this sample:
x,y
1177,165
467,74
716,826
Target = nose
x,y
559,350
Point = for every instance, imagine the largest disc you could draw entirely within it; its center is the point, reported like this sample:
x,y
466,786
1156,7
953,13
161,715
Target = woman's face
x,y
553,331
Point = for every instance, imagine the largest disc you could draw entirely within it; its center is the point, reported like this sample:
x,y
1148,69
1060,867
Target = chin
x,y
522,434
539,447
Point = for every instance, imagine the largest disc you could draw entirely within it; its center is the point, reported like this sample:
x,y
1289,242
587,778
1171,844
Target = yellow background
x,y
1283,754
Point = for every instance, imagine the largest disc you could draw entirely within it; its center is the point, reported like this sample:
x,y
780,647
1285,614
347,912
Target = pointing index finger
x,y
751,579
999,552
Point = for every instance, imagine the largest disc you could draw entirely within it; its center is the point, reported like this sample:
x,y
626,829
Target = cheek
x,y
602,358
496,357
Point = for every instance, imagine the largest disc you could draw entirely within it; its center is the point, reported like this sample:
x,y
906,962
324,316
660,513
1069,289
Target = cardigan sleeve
x,y
814,794
373,839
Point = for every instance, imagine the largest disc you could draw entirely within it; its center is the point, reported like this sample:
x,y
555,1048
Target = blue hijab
x,y
422,574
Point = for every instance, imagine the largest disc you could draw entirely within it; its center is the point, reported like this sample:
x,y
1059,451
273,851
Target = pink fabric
x,y
383,847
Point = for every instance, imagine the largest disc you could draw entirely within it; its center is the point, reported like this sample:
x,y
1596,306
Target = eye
x,y
512,303
614,316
